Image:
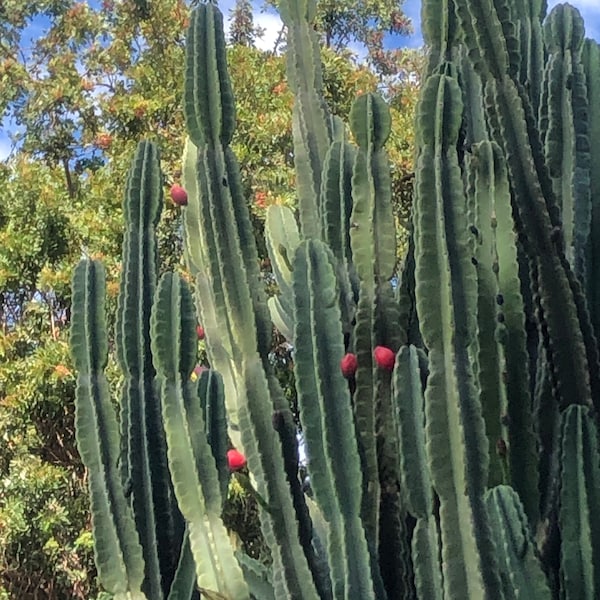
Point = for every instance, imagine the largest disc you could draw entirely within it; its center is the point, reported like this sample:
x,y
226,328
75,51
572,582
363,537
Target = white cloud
x,y
271,24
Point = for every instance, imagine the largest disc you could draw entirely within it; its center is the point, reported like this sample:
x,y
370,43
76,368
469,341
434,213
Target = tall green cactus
x,y
117,549
466,468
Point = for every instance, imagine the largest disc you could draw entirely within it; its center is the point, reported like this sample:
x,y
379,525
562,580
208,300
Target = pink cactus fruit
x,y
236,460
178,195
348,365
384,357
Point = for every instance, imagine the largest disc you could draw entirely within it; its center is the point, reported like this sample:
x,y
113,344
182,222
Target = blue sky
x,y
590,10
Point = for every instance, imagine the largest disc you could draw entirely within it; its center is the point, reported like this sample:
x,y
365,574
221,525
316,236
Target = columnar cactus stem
x,y
191,462
414,468
446,305
523,576
311,121
579,498
230,293
117,550
591,65
574,356
566,141
143,456
326,411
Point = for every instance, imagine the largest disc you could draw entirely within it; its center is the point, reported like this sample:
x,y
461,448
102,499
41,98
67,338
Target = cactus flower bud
x,y
236,460
384,357
178,195
349,364
200,332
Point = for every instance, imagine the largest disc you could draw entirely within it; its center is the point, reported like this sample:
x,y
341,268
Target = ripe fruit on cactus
x,y
349,364
178,195
384,357
200,332
236,460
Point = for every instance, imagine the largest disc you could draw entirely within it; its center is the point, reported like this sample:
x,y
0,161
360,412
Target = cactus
x,y
117,549
456,454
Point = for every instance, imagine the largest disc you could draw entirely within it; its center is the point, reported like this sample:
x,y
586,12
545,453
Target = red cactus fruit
x,y
349,364
384,357
236,460
178,195
200,332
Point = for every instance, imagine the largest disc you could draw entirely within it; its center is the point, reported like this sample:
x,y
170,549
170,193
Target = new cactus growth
x,y
450,425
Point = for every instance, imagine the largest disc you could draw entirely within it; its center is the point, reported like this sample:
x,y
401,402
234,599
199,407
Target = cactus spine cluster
x,y
468,470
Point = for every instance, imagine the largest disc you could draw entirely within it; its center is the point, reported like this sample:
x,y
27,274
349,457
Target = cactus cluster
x,y
448,405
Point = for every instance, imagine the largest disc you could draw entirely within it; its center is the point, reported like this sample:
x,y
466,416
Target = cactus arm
x,y
446,296
257,576
591,65
482,190
282,318
184,582
405,294
372,232
262,447
157,519
529,24
438,22
414,470
521,437
209,106
410,420
311,123
579,498
566,142
336,199
364,413
476,126
195,478
519,563
196,246
227,232
212,406
373,244
117,550
326,412
282,238
425,545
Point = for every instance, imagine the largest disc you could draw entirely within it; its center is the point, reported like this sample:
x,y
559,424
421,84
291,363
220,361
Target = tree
x,y
242,30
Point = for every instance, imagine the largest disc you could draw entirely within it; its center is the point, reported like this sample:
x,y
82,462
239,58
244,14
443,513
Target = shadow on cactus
x,y
448,406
